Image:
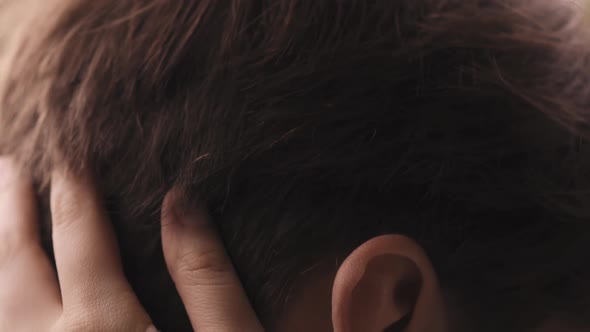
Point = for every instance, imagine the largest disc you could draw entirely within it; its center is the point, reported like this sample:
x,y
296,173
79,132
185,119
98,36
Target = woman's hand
x,y
89,292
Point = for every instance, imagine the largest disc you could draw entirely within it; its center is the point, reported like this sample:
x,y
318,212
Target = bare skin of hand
x,y
89,292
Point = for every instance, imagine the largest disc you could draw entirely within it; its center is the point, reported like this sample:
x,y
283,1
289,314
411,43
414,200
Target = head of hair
x,y
308,127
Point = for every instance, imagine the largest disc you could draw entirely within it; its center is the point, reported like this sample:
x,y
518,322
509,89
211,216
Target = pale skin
x,y
89,291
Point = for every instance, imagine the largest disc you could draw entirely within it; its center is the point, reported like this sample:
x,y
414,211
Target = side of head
x,y
434,151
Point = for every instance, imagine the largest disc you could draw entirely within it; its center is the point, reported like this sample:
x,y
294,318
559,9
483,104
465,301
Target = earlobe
x,y
387,284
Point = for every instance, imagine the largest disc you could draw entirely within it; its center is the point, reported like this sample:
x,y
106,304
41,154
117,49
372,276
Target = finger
x,y
86,252
18,206
203,273
27,281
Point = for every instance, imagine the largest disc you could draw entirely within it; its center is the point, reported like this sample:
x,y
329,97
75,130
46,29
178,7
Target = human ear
x,y
387,284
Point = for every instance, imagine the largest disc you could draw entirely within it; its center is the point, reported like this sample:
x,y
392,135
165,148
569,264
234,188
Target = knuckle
x,y
202,268
113,314
98,297
82,321
86,298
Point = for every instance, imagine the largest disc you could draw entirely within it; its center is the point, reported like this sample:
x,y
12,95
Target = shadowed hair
x,y
308,127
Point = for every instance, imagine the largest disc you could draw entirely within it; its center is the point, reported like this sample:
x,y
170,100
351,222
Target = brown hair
x,y
309,126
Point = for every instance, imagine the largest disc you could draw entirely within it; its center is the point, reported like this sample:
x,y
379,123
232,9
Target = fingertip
x,y
186,231
176,211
